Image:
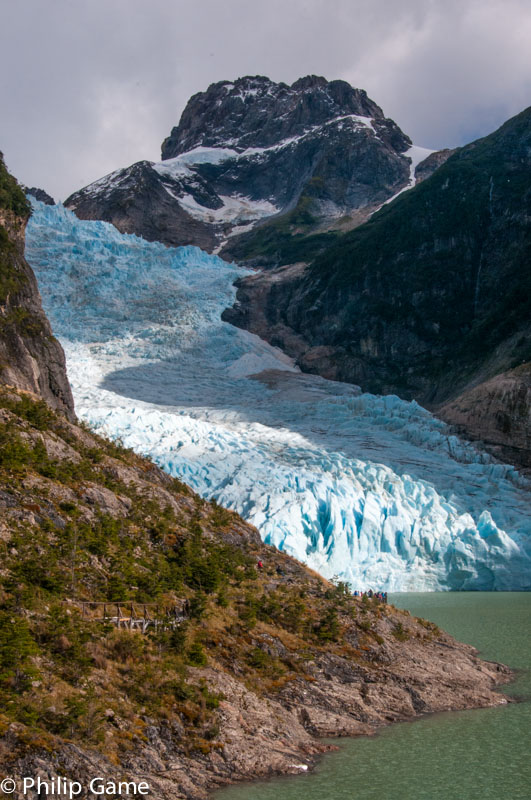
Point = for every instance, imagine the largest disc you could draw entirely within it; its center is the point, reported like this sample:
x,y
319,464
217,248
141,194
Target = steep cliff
x,y
30,357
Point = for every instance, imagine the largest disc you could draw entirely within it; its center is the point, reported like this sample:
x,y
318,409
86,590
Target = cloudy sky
x,y
87,86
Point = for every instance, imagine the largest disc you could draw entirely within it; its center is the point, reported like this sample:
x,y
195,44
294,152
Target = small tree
x,y
328,629
16,648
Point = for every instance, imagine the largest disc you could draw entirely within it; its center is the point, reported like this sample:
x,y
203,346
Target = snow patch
x,y
179,166
235,210
415,154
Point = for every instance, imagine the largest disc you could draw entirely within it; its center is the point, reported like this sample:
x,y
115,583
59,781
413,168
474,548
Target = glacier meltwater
x,y
371,489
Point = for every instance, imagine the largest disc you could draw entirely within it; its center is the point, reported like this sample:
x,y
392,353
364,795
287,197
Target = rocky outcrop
x,y
262,737
428,299
428,166
259,307
498,413
253,150
30,357
139,200
41,195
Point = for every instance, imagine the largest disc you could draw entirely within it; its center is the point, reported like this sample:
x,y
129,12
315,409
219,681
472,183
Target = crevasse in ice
x,y
371,489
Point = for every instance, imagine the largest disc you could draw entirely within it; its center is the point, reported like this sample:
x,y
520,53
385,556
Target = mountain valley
x,y
248,657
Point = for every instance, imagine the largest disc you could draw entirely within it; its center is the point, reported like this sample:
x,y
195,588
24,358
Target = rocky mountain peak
x,y
305,158
309,82
253,111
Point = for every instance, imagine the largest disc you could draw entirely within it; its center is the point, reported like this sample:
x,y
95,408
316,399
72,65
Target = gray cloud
x,y
87,86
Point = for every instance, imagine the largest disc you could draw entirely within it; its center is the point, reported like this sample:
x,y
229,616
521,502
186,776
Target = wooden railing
x,y
134,616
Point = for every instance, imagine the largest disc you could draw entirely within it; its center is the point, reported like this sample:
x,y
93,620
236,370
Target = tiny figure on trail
x,y
260,565
369,593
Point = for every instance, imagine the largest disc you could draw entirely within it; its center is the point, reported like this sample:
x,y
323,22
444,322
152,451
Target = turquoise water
x,y
468,755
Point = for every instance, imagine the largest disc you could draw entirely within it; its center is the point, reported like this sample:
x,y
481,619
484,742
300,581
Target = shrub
x,y
36,412
196,655
197,605
126,646
400,633
220,516
258,658
177,638
15,454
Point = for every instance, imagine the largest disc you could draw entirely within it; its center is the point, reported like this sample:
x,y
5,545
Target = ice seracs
x,y
371,489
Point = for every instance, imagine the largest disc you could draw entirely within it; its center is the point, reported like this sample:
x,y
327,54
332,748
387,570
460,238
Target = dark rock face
x,y
252,150
30,357
40,194
431,296
255,112
498,413
136,201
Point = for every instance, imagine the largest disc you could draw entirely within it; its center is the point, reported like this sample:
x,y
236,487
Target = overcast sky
x,y
87,86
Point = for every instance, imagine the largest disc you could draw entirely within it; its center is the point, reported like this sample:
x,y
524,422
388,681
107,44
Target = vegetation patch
x,y
89,522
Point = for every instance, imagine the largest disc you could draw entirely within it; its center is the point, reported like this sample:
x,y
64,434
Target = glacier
x,y
372,490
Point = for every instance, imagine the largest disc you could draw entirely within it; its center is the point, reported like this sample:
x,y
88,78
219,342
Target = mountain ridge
x,y
254,111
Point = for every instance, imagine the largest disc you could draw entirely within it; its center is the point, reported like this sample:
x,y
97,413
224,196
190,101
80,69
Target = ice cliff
x,y
371,489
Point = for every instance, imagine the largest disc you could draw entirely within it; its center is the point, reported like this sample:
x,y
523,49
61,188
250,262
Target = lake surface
x,y
469,755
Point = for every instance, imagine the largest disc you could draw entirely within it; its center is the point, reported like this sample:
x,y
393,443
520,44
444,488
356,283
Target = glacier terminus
x,y
371,489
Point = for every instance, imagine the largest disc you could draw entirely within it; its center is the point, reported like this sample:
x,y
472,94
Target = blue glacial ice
x,y
371,489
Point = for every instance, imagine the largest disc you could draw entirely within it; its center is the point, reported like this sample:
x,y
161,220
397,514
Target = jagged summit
x,y
256,112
